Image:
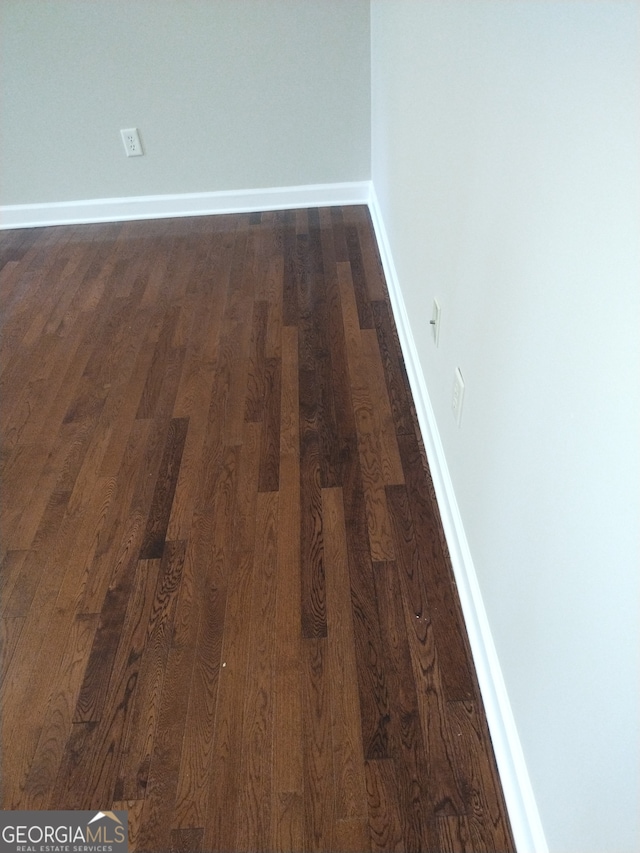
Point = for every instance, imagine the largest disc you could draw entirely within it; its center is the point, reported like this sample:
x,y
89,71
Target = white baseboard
x,y
186,204
521,804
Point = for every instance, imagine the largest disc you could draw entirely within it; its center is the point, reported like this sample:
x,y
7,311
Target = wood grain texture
x,y
476,772
368,437
86,773
287,829
385,824
197,746
146,704
186,840
421,513
227,602
254,829
317,746
407,748
314,614
223,813
348,758
162,501
59,716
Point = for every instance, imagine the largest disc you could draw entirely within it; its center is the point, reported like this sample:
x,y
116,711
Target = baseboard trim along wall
x,y
186,204
521,804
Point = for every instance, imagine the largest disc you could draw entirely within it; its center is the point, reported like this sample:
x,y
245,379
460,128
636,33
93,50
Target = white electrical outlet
x,y
458,396
435,322
131,142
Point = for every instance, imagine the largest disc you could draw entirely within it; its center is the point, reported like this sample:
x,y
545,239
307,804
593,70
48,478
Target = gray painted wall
x,y
227,95
506,153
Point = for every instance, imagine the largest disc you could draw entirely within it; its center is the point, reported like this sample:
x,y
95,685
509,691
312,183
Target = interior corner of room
x,y
498,148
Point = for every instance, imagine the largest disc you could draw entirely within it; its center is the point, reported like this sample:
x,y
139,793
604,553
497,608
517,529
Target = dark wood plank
x,y
243,513
160,511
78,747
223,813
119,537
374,275
302,221
17,243
416,788
374,699
43,637
55,733
59,374
385,828
189,620
43,281
411,574
125,421
383,426
380,541
35,562
446,797
394,369
134,770
213,521
57,476
314,614
153,747
10,629
454,836
346,731
10,570
134,816
365,315
305,299
158,368
486,810
288,824
325,319
197,745
290,271
255,786
339,235
317,746
351,835
273,291
375,702
120,336
237,316
88,775
445,611
269,476
256,392
95,684
187,840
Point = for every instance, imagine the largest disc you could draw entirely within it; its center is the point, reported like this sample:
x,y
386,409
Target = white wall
x,y
505,158
227,94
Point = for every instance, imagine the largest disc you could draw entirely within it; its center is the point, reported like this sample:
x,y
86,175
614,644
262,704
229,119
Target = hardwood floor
x,y
227,603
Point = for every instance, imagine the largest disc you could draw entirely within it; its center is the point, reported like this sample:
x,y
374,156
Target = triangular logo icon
x,y
110,815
